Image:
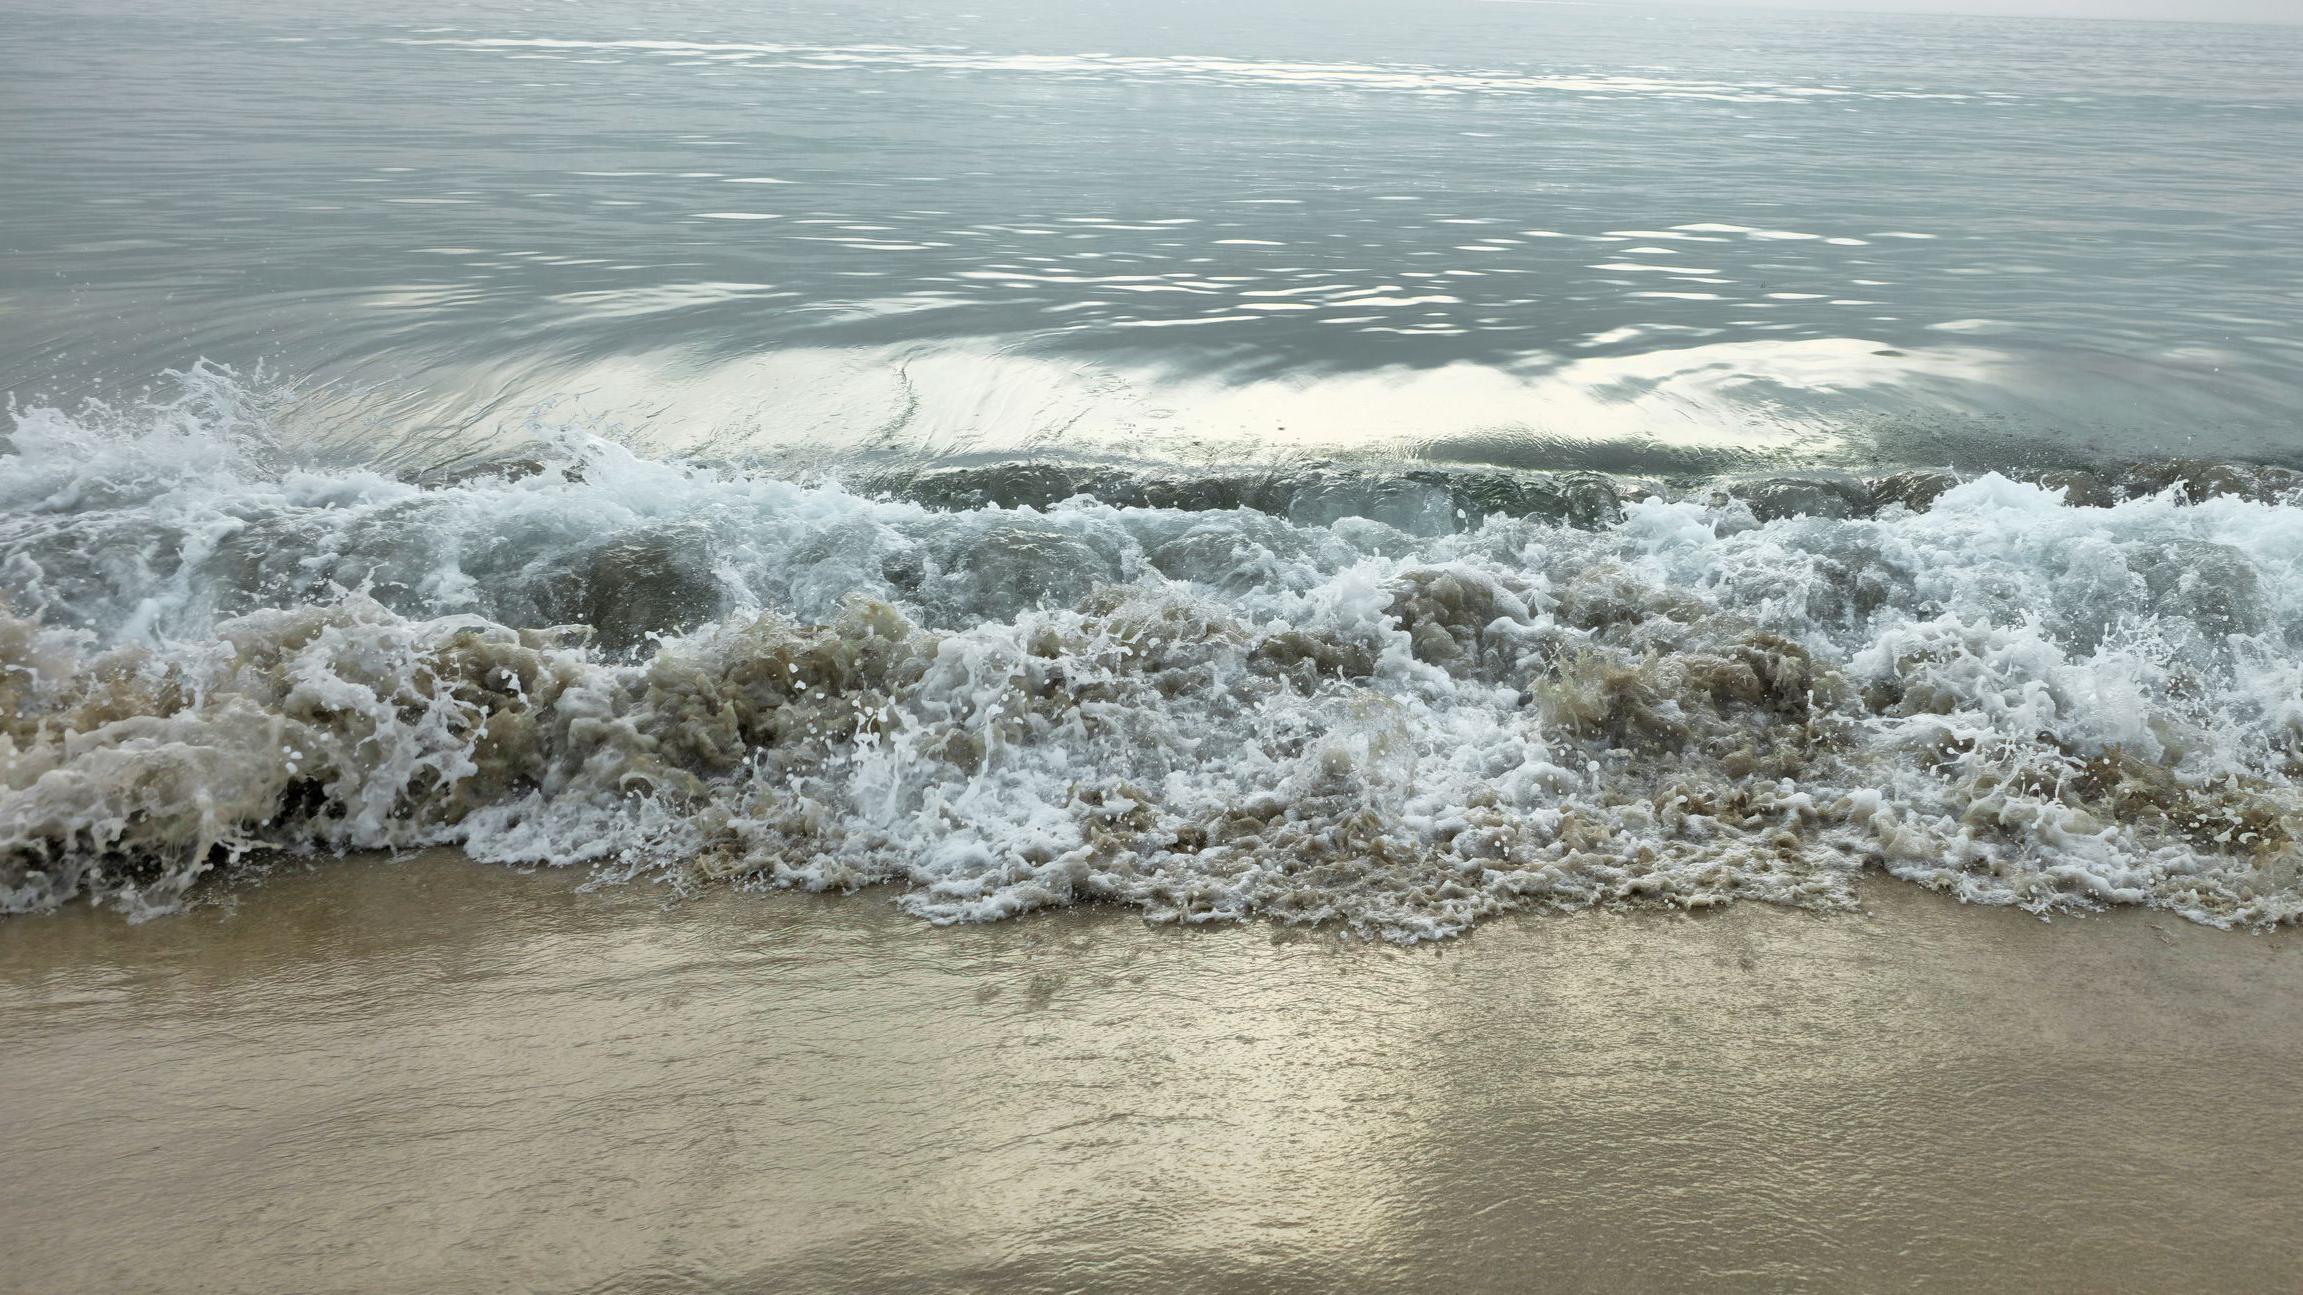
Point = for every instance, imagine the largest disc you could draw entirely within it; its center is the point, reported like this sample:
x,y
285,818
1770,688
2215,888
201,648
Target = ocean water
x,y
1373,464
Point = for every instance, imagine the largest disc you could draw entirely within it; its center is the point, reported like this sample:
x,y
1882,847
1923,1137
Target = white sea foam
x,y
1391,78
1366,706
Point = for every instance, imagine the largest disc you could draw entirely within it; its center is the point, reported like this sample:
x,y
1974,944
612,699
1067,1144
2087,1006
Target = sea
x,y
1367,465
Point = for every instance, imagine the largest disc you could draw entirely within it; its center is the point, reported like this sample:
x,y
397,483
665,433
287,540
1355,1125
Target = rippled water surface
x,y
1540,235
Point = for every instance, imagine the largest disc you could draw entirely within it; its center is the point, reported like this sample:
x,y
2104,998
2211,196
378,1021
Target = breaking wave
x,y
1398,700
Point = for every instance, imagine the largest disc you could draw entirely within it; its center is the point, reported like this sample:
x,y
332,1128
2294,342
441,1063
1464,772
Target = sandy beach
x,y
431,1075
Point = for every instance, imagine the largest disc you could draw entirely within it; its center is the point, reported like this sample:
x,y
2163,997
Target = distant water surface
x,y
1533,234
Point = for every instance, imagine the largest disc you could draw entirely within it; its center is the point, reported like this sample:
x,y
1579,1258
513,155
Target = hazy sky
x,y
2284,11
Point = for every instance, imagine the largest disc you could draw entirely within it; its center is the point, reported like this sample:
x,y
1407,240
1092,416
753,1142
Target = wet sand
x,y
428,1075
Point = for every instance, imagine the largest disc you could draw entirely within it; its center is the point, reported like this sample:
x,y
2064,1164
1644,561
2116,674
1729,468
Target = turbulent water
x,y
1274,459
1400,701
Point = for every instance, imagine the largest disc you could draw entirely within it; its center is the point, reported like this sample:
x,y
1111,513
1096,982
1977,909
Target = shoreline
x,y
422,1074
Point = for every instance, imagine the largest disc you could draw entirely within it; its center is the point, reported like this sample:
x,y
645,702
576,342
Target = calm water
x,y
1519,233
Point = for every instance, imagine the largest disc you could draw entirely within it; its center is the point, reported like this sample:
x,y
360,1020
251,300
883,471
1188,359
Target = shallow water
x,y
434,1076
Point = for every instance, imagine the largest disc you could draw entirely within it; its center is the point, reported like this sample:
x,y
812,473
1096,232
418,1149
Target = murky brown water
x,y
435,1076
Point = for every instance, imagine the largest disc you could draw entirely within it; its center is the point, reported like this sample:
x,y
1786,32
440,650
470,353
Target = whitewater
x,y
1393,699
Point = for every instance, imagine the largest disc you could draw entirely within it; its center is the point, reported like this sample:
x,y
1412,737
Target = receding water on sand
x,y
426,1075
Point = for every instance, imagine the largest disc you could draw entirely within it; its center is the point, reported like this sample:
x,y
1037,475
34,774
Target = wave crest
x,y
685,673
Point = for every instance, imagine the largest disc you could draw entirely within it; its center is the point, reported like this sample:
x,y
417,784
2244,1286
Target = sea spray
x,y
1348,698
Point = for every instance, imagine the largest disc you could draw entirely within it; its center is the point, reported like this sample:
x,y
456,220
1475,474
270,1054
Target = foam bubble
x,y
1399,701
